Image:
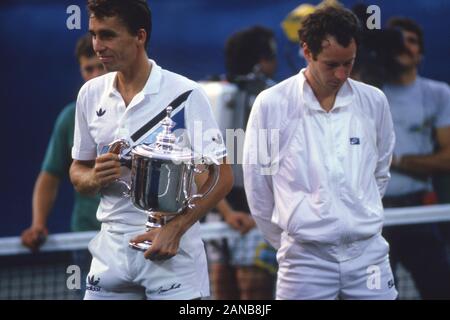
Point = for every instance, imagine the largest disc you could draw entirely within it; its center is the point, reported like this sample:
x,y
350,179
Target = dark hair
x,y
245,48
84,47
135,14
407,25
339,23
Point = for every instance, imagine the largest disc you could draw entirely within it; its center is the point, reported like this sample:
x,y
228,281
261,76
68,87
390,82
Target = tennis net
x,y
47,274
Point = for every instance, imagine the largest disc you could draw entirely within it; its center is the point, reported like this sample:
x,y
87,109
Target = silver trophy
x,y
162,177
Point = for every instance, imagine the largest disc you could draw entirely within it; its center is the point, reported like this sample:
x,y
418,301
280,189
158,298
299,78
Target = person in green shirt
x,y
57,163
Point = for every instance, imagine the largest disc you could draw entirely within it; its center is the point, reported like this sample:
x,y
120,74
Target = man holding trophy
x,y
125,119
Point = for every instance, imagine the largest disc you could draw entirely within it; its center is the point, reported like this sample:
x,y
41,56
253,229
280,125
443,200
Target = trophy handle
x,y
127,193
191,199
121,147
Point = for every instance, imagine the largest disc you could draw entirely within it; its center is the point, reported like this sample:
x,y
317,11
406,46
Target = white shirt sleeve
x,y
84,146
204,134
385,146
258,186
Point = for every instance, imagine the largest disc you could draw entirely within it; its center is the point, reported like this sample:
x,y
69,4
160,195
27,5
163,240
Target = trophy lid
x,y
165,147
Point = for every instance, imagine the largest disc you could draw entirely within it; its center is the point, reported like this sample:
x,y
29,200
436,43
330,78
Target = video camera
x,y
376,61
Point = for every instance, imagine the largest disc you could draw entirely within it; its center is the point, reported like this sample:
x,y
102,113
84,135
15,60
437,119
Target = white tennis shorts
x,y
122,273
303,274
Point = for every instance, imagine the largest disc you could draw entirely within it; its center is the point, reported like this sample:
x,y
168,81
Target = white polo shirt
x,y
101,118
331,170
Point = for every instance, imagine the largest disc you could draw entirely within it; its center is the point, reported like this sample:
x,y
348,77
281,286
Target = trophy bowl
x,y
162,177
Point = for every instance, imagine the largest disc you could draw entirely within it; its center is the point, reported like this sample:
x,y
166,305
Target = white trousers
x,y
122,273
304,274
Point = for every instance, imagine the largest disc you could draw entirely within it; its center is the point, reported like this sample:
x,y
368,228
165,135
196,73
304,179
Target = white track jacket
x,y
318,176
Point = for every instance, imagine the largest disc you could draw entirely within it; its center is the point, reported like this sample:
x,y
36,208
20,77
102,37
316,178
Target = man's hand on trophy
x,y
165,242
106,169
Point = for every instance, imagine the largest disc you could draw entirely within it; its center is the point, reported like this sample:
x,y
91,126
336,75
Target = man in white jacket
x,y
316,165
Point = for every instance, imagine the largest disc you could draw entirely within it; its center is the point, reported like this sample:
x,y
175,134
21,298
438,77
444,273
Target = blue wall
x,y
39,73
